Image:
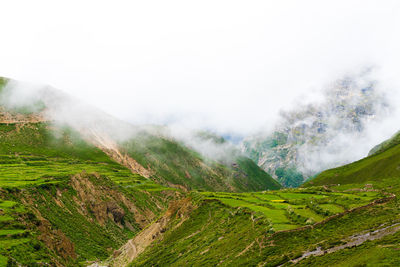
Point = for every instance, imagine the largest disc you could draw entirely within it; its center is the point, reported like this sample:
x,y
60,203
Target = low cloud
x,y
224,66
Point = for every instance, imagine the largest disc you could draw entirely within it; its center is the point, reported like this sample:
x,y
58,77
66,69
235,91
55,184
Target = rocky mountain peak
x,y
307,138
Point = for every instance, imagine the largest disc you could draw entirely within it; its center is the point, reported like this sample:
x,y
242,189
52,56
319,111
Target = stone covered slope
x,y
315,137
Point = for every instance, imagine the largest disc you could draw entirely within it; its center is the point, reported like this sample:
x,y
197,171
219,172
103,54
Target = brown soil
x,y
111,148
105,203
135,246
18,118
54,239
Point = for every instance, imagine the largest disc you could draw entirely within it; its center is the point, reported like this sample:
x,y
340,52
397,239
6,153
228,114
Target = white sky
x,y
225,65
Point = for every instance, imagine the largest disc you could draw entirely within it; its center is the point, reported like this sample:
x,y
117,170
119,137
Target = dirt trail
x,y
134,247
353,241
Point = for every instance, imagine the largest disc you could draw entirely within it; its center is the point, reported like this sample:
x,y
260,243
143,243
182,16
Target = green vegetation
x,y
64,202
289,209
211,230
395,140
79,204
270,150
381,165
79,213
174,163
107,219
82,218
16,239
33,155
360,183
255,148
208,136
289,177
384,252
231,229
379,170
257,179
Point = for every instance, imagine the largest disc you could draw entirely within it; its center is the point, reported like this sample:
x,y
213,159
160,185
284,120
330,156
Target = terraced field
x,y
22,170
293,208
35,164
13,234
31,155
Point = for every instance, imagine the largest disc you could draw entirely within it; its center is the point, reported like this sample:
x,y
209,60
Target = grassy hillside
x,y
63,201
66,201
171,162
395,140
328,225
245,229
290,209
382,164
174,163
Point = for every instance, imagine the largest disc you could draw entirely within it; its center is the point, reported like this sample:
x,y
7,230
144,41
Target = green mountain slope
x,y
328,225
69,201
243,230
393,141
352,224
153,152
69,195
383,163
173,163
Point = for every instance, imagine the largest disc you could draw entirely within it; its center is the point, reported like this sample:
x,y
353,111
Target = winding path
x,y
353,241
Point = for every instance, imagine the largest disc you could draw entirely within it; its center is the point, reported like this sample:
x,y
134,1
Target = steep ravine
x,y
154,231
110,147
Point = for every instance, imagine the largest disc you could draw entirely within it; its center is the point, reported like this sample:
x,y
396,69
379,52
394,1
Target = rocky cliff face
x,y
317,136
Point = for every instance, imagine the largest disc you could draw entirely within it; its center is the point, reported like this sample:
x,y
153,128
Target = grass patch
x,y
293,208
